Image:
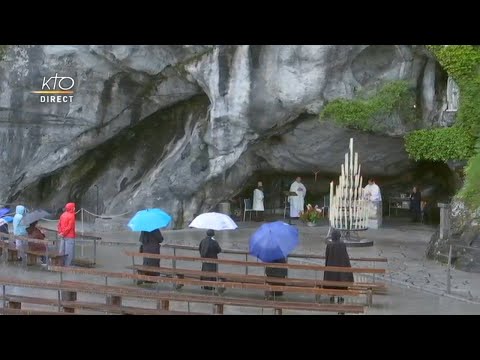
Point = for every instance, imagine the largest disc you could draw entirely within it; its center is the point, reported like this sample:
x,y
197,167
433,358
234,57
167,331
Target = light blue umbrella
x,y
273,241
149,220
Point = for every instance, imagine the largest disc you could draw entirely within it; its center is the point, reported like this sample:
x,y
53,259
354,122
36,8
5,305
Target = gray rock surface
x,y
464,237
184,127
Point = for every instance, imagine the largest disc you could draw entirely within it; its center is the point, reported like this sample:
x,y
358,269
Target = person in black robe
x,y
276,272
150,243
209,248
3,229
336,255
416,204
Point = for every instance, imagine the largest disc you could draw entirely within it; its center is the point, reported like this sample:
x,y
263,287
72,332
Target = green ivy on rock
x,y
462,63
441,144
361,113
470,193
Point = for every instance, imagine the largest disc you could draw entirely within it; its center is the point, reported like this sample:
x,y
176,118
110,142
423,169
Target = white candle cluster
x,y
348,208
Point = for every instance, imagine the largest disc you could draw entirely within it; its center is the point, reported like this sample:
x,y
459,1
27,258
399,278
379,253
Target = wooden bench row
x,y
114,295
196,274
291,256
9,252
224,284
247,280
15,302
248,264
11,311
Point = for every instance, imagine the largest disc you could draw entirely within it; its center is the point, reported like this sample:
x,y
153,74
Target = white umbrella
x,y
214,221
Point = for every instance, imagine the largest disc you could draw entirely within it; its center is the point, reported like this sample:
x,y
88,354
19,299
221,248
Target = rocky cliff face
x,y
184,127
464,236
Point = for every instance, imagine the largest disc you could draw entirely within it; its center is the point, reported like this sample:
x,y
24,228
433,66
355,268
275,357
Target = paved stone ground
x,y
416,285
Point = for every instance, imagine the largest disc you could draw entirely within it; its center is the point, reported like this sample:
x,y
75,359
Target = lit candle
x,y
351,157
331,202
355,166
346,164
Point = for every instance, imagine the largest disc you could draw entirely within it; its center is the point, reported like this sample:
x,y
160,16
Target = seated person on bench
x,y
35,233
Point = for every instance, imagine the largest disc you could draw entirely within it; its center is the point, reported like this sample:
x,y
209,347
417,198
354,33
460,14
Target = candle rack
x,y
349,210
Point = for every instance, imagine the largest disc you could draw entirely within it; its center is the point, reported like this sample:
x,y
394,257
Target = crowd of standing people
x,y
21,230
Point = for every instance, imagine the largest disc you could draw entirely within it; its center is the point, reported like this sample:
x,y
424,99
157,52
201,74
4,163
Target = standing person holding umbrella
x,y
276,272
272,243
209,248
149,222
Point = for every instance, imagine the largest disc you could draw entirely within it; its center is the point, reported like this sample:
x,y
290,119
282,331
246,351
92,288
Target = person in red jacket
x,y
66,231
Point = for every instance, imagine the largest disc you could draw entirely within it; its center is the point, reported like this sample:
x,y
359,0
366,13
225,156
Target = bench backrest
x,y
258,264
154,295
226,284
292,256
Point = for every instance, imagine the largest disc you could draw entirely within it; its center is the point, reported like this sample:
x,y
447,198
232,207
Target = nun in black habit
x,y
336,255
276,272
209,248
150,244
416,204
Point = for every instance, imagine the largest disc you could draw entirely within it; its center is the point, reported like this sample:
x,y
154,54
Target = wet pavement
x,y
415,285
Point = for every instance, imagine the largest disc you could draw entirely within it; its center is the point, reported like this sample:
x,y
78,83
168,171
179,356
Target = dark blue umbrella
x,y
273,241
4,211
149,220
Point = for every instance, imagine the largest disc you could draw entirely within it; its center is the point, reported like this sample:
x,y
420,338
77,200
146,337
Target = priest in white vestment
x,y
372,191
375,210
258,206
297,203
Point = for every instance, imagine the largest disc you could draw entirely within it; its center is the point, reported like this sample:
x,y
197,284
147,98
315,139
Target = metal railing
x,y
449,263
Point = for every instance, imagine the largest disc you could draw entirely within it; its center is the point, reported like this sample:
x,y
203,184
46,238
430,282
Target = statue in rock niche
x,y
453,95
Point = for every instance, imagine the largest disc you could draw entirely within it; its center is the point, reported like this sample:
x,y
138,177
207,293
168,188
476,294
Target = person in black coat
x,y
336,255
150,244
276,272
416,204
209,248
3,229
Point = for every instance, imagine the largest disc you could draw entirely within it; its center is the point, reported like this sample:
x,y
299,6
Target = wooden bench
x,y
367,290
115,293
66,299
291,256
9,311
196,274
32,256
248,264
9,251
15,302
156,279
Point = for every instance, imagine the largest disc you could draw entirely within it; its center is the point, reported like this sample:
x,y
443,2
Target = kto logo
x,y
56,89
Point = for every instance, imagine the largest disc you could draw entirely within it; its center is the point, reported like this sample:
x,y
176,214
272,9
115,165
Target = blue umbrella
x,y
8,219
149,220
4,211
273,241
